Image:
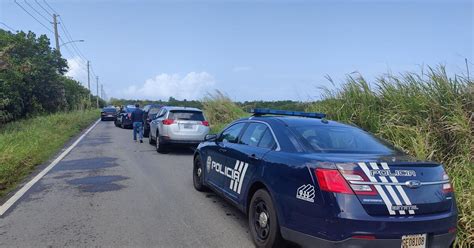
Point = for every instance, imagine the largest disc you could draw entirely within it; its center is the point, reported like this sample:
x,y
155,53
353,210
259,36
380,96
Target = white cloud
x,y
76,70
191,86
241,68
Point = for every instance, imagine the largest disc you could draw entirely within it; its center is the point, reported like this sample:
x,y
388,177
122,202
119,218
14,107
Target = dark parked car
x,y
320,183
108,113
150,113
123,119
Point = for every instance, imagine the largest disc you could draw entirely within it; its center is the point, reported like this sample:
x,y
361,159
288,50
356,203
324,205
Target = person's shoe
x,y
141,141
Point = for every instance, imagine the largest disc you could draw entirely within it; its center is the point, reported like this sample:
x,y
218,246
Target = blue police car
x,y
320,183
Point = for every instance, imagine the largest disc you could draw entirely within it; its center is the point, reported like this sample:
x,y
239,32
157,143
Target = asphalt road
x,y
112,192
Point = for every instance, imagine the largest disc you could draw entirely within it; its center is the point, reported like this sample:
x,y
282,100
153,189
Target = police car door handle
x,y
254,157
222,150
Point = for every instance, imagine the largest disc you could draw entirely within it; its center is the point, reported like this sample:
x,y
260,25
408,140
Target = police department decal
x,y
305,193
236,174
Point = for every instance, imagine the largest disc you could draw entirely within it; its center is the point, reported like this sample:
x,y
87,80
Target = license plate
x,y
109,116
414,241
187,126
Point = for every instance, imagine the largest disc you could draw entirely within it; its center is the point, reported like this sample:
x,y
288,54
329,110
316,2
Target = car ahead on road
x,y
150,112
108,113
320,183
123,119
178,126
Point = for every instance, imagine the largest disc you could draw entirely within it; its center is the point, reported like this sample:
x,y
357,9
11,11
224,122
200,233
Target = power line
x,y
54,11
10,28
33,16
45,10
37,12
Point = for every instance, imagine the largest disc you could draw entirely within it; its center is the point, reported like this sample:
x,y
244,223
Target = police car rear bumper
x,y
434,241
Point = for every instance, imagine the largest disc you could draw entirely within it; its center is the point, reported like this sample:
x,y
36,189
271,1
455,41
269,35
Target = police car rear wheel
x,y
197,175
263,222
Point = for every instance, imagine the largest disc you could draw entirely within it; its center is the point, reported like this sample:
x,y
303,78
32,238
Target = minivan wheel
x,y
198,172
263,221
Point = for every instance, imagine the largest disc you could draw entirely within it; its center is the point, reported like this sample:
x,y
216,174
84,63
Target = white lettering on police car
x,y
236,174
396,173
305,193
208,164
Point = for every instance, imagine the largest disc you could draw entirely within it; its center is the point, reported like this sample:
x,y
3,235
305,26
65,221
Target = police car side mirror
x,y
210,137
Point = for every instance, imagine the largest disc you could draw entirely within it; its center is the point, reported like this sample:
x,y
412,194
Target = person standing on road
x,y
137,120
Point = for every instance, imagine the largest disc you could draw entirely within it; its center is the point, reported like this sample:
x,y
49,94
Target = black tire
x,y
121,123
115,123
198,179
160,147
263,221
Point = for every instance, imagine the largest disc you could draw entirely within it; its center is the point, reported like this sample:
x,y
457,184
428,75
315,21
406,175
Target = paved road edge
x,y
14,198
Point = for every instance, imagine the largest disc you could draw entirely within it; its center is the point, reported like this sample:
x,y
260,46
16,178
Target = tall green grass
x,y
220,110
427,114
27,143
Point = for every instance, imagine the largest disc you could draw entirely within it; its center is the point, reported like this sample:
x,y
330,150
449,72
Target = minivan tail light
x,y
168,121
332,181
205,123
129,116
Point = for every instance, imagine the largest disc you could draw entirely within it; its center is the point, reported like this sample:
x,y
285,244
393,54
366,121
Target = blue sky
x,y
254,50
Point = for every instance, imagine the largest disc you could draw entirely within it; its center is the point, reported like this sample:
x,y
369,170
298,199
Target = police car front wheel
x,y
198,175
263,221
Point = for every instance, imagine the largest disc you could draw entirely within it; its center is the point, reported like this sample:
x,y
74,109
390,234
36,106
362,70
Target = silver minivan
x,y
178,125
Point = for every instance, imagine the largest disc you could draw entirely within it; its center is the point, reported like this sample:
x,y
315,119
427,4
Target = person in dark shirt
x,y
137,120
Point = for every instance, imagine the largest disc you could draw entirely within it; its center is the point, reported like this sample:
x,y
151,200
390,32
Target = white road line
x,y
30,184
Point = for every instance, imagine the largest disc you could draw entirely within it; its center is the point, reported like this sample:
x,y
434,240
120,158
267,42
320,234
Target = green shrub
x,y
220,110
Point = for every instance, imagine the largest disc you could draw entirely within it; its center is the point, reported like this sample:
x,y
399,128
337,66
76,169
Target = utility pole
x,y
102,91
56,34
97,81
89,82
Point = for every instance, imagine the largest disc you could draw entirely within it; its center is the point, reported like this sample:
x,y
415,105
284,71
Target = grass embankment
x,y
27,143
220,110
429,115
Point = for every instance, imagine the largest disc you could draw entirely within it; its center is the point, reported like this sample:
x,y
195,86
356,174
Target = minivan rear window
x,y
186,115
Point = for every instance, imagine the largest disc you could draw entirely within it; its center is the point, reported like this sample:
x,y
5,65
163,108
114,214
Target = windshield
x,y
341,140
186,115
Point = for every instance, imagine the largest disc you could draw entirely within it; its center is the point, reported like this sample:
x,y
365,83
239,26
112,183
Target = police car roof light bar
x,y
264,111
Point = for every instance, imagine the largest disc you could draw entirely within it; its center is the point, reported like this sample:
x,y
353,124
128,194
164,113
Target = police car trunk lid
x,y
409,188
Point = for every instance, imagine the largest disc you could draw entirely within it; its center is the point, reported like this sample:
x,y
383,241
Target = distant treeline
x,y
32,79
247,105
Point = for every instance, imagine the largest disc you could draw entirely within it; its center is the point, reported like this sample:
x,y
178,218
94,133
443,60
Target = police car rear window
x,y
186,115
341,140
109,109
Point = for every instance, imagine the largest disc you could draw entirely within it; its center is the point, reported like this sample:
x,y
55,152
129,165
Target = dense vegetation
x,y
27,143
429,115
32,78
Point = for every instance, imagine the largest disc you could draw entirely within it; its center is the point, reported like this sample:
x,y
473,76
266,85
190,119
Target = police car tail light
x,y
205,123
332,181
356,179
168,121
129,116
447,187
